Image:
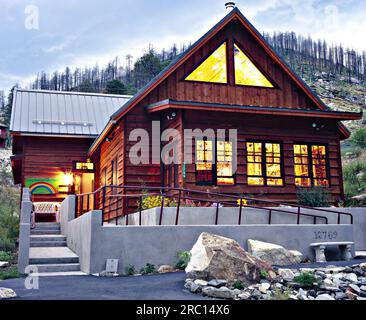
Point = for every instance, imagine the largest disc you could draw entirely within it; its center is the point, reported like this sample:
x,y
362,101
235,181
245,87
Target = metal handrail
x,y
181,194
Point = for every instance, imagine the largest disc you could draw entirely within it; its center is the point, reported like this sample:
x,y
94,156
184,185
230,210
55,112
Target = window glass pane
x,y
303,182
224,162
213,69
255,181
275,182
204,166
246,73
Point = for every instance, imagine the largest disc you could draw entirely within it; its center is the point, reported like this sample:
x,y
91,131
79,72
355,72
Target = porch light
x,y
68,179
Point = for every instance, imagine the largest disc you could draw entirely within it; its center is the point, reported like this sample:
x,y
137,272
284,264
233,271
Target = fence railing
x,y
116,202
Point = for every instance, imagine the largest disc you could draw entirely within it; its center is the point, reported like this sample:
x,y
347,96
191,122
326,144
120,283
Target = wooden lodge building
x,y
231,78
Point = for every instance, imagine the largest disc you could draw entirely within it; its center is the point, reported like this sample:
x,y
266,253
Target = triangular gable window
x,y
246,73
213,69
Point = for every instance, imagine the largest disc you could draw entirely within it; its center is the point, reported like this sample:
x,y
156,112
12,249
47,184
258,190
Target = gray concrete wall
x,y
230,216
138,245
24,232
67,213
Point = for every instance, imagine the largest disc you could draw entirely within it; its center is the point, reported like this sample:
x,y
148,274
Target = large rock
x,y
216,257
6,293
274,254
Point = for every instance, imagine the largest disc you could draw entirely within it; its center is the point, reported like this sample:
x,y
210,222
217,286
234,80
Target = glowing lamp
x,y
68,179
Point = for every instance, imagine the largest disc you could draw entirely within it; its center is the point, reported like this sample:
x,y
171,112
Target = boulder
x,y
220,258
166,269
274,254
220,293
6,293
4,264
324,297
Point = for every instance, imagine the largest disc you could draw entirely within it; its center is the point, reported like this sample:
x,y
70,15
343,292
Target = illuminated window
x,y
310,165
222,170
114,171
213,69
264,164
224,164
301,160
246,73
204,159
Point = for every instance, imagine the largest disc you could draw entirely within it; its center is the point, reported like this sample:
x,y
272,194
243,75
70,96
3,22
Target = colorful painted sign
x,y
42,186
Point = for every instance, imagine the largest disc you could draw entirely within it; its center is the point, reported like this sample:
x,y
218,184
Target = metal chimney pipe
x,y
230,5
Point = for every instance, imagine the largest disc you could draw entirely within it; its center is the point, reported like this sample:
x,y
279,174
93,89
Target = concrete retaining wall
x,y
138,245
229,216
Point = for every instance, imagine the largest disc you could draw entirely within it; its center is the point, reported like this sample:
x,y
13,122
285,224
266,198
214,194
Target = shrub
x,y
11,273
306,278
183,260
239,285
5,256
264,274
358,138
314,197
279,295
130,270
148,269
9,218
150,202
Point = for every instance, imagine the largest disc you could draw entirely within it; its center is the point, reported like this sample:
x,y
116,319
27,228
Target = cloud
x,y
85,32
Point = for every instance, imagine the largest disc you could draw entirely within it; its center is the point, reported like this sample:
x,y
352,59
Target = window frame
x,y
310,163
264,164
265,74
198,64
114,172
214,181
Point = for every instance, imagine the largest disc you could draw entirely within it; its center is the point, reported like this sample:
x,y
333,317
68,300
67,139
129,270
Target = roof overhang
x,y
50,135
172,104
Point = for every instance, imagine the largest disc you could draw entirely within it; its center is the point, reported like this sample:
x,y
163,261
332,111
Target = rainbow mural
x,y
42,186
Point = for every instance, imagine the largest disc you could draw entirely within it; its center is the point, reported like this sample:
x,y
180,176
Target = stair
x,y
49,253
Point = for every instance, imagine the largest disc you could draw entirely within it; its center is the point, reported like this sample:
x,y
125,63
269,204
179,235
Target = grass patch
x,y
148,269
278,295
306,278
239,285
183,260
11,273
5,256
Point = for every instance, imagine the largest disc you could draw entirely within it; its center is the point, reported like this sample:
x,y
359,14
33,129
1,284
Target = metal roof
x,y
62,113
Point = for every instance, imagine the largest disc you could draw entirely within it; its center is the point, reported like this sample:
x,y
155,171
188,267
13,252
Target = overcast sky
x,y
85,32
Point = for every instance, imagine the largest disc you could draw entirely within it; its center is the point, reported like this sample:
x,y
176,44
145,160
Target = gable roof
x,y
41,112
235,14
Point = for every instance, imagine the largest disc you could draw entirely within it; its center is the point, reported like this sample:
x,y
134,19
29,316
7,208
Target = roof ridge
x,y
74,93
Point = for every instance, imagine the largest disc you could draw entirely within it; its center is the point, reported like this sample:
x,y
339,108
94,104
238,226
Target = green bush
x,y
306,278
264,274
183,260
358,138
130,270
150,202
9,217
354,182
239,285
5,256
11,273
278,295
148,269
313,197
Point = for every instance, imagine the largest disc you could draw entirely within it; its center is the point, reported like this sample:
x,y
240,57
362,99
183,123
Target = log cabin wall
x,y
286,95
285,130
50,157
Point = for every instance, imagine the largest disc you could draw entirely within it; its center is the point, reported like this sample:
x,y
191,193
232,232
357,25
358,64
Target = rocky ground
x,y
220,268
330,283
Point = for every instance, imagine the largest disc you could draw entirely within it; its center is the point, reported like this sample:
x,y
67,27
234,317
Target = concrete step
x,y
48,226
59,274
59,260
45,231
44,244
47,238
52,255
65,267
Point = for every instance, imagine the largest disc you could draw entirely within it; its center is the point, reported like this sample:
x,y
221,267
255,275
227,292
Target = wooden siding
x,y
287,94
49,157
